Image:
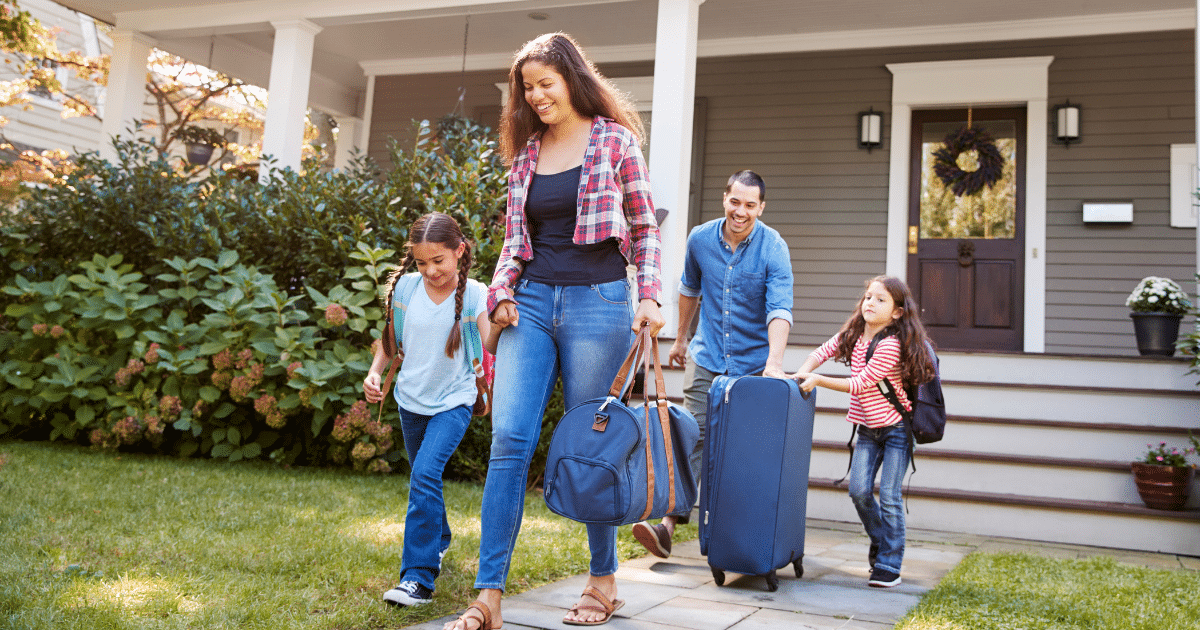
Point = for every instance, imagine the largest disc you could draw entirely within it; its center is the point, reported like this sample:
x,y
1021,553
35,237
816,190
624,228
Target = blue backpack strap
x,y
469,325
406,286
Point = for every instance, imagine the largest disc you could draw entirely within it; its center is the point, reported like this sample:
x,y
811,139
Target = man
x,y
739,272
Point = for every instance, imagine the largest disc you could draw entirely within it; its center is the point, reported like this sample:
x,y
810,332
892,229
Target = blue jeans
x,y
429,441
883,451
582,333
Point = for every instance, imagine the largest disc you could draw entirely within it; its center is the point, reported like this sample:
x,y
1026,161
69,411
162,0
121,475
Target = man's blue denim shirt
x,y
740,292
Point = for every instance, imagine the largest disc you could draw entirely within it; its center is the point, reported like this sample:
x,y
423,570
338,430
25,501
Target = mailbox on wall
x,y
1108,212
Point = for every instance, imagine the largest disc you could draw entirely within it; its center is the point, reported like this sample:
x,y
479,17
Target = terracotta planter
x,y
1163,487
1156,333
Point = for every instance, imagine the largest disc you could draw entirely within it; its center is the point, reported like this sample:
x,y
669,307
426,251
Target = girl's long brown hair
x,y
591,93
437,227
916,366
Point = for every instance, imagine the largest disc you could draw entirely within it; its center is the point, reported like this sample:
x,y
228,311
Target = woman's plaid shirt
x,y
614,202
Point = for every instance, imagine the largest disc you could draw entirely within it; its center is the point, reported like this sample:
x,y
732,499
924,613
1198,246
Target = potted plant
x,y
1158,304
200,142
1163,476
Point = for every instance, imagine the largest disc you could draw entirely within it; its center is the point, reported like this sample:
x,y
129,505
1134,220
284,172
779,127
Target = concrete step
x,y
1052,478
1118,525
1111,442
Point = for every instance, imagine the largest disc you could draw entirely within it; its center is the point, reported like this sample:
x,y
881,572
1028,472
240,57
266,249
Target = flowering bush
x,y
1158,295
1162,456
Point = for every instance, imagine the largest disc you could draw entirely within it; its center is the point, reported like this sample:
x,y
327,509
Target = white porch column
x,y
671,138
348,141
287,92
126,93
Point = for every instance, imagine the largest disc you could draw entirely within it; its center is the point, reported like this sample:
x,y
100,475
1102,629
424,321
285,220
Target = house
x,y
41,126
1048,397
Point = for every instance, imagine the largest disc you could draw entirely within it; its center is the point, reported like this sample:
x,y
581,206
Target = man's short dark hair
x,y
748,178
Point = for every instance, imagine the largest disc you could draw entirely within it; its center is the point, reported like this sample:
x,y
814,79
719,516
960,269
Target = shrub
x,y
229,318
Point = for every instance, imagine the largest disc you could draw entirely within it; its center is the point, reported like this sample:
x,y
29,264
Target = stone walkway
x,y
679,593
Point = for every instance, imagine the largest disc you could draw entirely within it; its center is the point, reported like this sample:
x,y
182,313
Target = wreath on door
x,y
969,161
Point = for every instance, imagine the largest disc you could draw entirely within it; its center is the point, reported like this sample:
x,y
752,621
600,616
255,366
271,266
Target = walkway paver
x,y
680,594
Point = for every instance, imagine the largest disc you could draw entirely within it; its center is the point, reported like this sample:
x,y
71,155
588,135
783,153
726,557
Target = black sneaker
x,y
408,593
882,578
872,555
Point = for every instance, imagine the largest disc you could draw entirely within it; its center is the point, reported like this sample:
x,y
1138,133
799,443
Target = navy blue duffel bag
x,y
612,464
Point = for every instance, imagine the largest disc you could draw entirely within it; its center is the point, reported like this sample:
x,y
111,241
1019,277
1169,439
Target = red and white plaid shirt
x,y
614,202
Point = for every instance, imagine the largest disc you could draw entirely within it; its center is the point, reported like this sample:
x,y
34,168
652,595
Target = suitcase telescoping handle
x,y
645,346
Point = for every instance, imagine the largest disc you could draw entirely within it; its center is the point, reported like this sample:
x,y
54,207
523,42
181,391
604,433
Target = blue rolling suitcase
x,y
754,490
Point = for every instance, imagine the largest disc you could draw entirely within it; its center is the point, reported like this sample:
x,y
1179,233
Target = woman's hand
x,y
371,388
506,314
647,312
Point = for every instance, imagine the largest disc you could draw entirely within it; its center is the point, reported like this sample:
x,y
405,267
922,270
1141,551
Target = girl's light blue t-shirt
x,y
429,381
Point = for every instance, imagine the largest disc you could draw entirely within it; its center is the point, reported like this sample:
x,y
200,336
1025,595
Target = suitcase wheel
x,y
718,575
772,582
798,565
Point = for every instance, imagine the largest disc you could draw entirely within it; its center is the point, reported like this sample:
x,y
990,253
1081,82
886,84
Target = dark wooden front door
x,y
966,252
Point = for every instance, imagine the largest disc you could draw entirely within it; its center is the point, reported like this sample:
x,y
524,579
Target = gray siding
x,y
792,117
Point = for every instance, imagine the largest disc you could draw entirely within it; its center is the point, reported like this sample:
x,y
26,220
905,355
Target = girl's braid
x,y
464,267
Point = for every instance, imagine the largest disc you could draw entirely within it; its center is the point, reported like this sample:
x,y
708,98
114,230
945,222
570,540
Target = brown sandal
x,y
484,618
607,607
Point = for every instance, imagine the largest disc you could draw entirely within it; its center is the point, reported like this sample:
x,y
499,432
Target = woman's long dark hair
x,y
591,93
437,227
916,366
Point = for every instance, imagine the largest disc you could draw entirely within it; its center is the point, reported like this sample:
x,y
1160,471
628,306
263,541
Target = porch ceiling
x,y
361,37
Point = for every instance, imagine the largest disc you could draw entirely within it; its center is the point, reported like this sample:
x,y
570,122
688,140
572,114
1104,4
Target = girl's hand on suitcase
x,y
805,380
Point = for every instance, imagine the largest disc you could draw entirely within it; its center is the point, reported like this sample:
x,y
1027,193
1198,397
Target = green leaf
x,y
251,450
234,435
222,450
209,394
182,424
227,259
224,410
235,455
85,415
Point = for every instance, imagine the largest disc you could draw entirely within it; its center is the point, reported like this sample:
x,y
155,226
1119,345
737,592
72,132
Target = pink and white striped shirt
x,y
868,406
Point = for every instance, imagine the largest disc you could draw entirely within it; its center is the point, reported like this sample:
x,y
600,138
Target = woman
x,y
579,212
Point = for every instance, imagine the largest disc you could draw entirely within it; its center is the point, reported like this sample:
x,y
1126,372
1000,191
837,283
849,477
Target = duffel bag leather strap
x,y
643,337
617,391
664,421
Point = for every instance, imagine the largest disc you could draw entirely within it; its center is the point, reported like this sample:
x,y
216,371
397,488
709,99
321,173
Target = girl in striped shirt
x,y
887,314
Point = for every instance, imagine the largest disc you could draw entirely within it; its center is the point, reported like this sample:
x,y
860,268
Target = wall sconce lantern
x,y
870,129
1066,124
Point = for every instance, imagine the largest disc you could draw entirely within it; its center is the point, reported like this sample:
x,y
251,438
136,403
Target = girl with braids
x,y
432,311
886,326
579,212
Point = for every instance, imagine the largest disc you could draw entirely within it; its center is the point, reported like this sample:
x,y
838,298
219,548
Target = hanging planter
x,y
199,153
199,142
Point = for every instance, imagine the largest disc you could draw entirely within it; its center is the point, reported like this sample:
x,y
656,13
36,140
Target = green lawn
x,y
1004,591
99,540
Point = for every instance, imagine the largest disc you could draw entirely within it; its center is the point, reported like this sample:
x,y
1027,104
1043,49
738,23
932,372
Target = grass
x,y
99,540
1021,591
